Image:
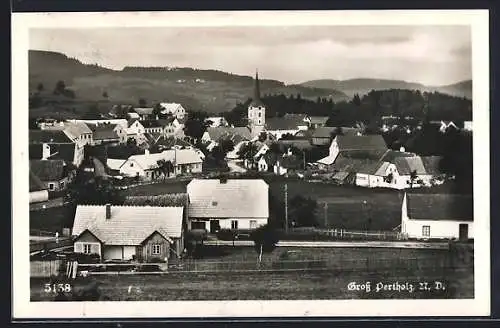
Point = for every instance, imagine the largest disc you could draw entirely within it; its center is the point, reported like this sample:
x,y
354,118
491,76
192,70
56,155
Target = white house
x,y
376,174
353,144
437,216
216,121
425,169
140,233
146,165
236,204
135,127
468,125
173,109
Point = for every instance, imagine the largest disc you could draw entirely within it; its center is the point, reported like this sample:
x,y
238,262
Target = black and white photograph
x,y
289,161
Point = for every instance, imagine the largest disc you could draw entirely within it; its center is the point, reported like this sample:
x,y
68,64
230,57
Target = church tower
x,y
256,110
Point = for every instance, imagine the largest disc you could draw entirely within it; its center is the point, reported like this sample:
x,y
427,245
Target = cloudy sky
x,y
433,55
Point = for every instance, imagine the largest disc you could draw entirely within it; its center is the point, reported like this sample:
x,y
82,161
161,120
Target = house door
x,y
214,226
463,231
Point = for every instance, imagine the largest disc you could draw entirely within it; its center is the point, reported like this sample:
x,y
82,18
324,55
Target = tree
x,y
247,152
142,102
165,167
60,87
302,211
265,239
356,101
413,177
93,191
157,110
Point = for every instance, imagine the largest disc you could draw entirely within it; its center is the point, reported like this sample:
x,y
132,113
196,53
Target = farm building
x,y
107,134
68,152
227,204
358,145
173,109
142,233
317,121
147,165
54,174
38,191
417,171
437,216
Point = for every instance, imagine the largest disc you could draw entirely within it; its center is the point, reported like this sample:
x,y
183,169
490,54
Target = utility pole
x,y
326,215
286,207
304,158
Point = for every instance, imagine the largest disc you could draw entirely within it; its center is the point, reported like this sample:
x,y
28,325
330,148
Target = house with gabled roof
x,y
286,125
437,216
106,134
267,162
317,121
140,233
78,132
418,171
54,174
174,109
38,190
68,152
236,204
359,146
144,113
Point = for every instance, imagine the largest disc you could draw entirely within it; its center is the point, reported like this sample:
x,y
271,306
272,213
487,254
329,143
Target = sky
x,y
432,55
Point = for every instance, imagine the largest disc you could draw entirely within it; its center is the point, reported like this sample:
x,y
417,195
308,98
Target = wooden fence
x,y
36,246
45,269
313,234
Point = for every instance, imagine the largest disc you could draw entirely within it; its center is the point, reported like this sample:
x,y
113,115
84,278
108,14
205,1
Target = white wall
x,y
131,171
438,228
128,252
262,165
39,196
334,149
119,252
242,223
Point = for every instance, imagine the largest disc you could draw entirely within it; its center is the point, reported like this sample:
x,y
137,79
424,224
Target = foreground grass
x,y
264,286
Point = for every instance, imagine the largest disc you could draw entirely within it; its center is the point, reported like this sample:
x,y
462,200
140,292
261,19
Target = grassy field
x,y
311,285
325,283
346,205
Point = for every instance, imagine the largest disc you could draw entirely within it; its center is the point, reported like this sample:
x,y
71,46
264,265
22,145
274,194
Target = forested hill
x,y
366,108
198,90
363,86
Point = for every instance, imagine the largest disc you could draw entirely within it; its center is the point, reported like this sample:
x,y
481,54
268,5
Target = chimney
x,y
45,151
223,179
108,211
146,152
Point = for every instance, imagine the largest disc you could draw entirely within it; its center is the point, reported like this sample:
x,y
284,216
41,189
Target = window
x,y
234,224
260,114
131,164
426,231
52,186
87,248
156,249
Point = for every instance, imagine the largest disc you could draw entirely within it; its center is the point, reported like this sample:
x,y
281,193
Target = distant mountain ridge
x,y
209,90
364,85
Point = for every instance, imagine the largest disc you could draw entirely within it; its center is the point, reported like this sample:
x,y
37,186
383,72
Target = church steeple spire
x,y
256,101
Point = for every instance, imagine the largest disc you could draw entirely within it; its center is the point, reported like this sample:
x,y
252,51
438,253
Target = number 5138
x,y
54,288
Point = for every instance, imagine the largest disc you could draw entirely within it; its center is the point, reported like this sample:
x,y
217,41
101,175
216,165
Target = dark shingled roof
x,y
123,151
104,132
48,170
35,183
391,155
440,207
300,144
318,119
64,152
370,142
282,123
166,200
423,165
48,136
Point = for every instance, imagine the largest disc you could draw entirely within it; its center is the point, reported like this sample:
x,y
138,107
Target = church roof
x,y
256,101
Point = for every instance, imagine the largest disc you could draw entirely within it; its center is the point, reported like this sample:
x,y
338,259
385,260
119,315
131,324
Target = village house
x,y
444,126
106,134
144,113
376,174
146,165
317,121
361,146
77,132
137,233
68,152
281,126
38,190
437,216
417,171
287,164
236,204
54,174
173,109
216,121
324,135
266,162
468,126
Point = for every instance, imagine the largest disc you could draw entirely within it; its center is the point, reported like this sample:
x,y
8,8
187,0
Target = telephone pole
x,y
326,215
286,207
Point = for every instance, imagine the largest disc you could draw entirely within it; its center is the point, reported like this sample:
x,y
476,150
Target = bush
x,y
226,234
